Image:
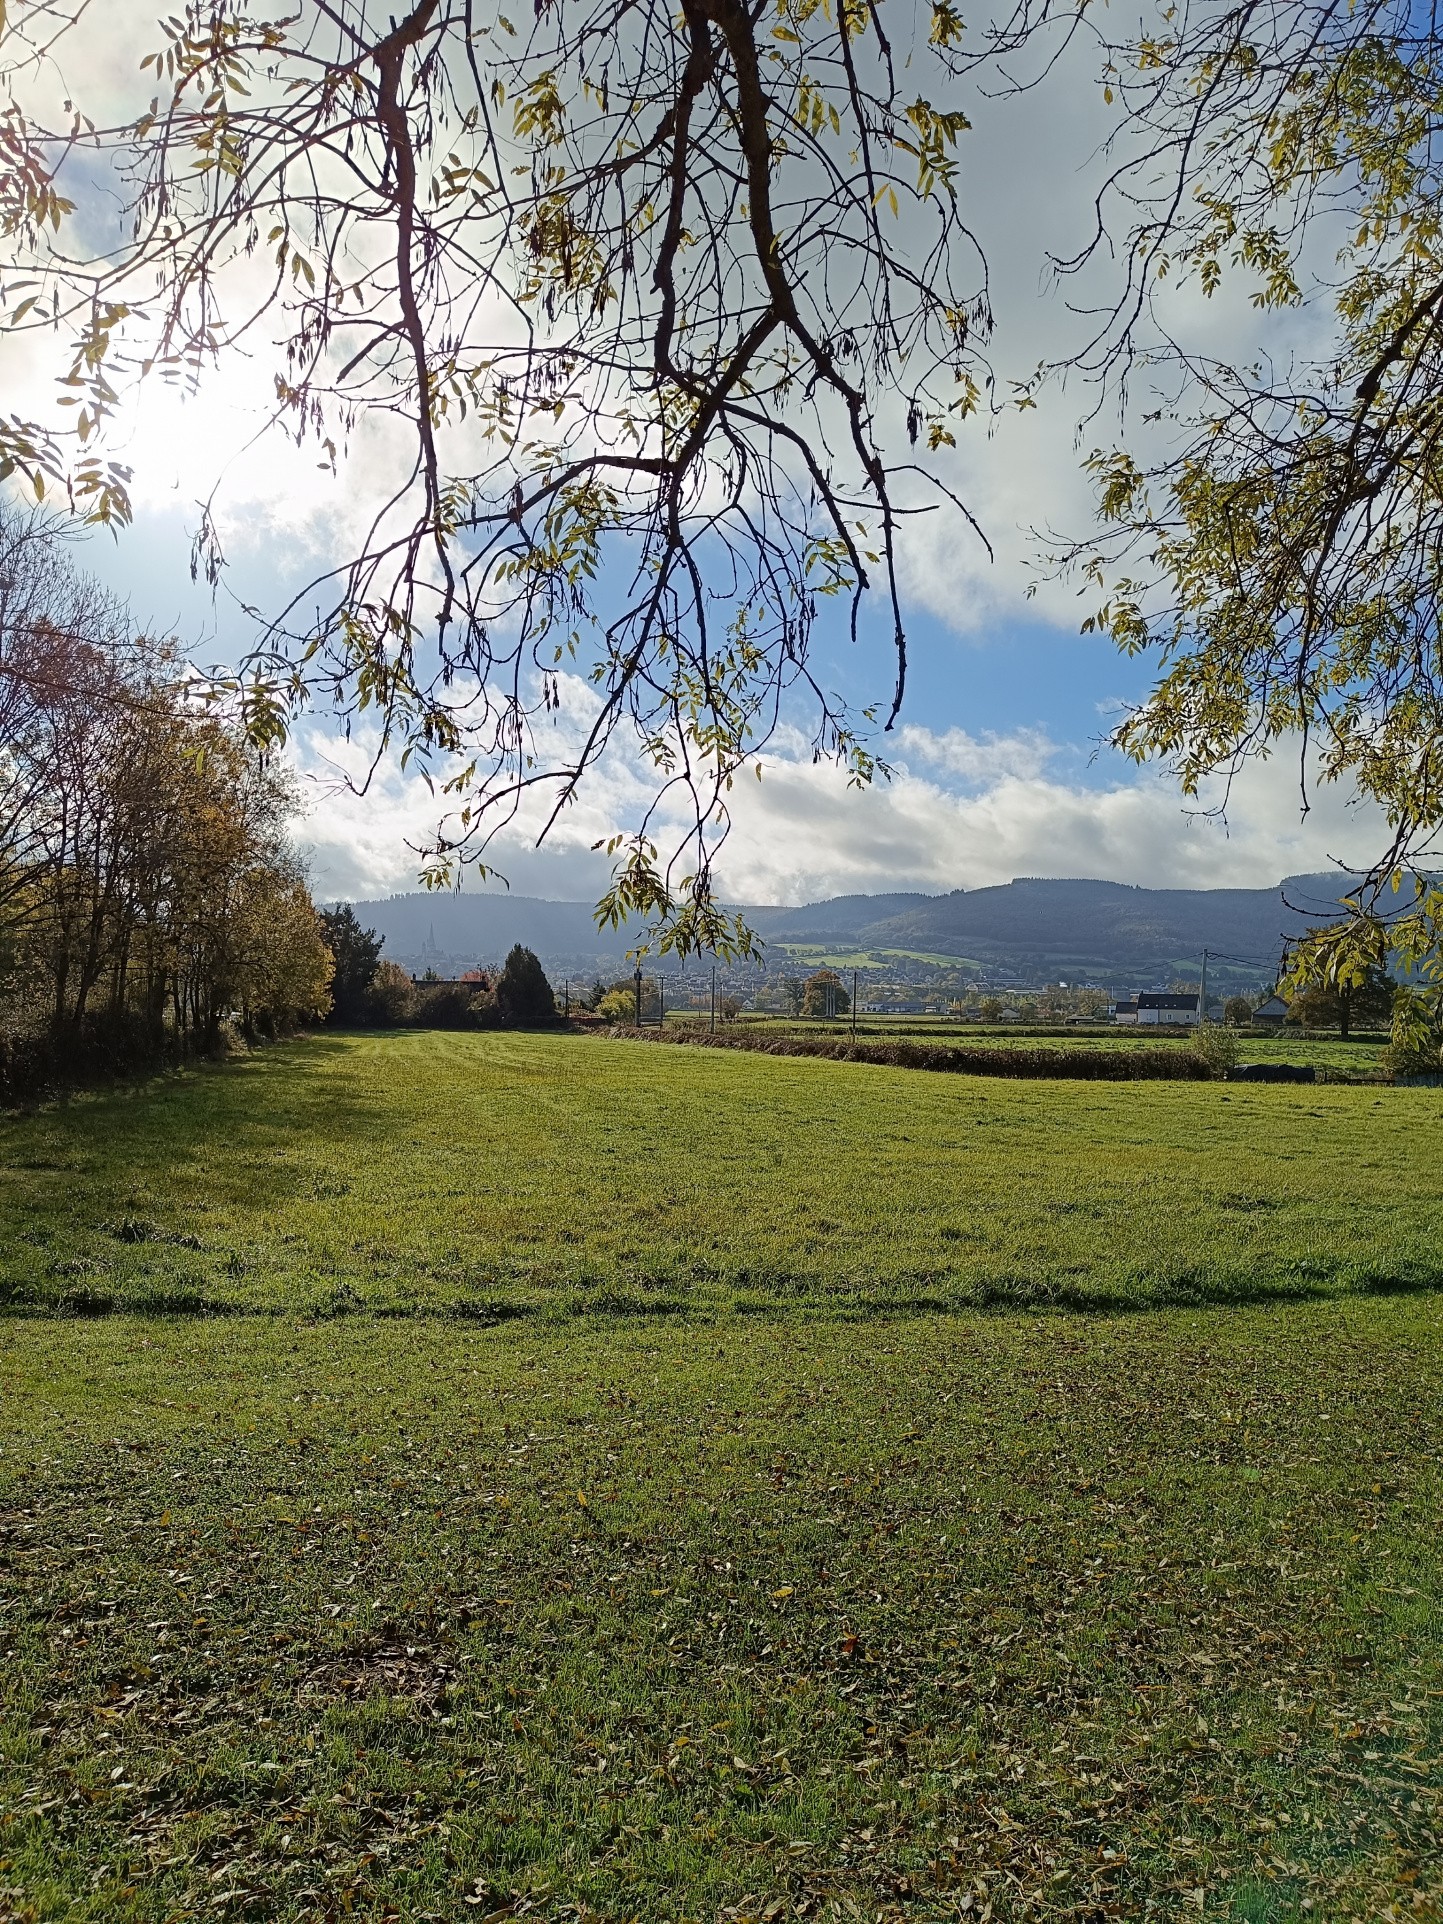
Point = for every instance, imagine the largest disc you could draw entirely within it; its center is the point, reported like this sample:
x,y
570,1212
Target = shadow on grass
x,y
257,1104
780,1296
1143,1295
87,1303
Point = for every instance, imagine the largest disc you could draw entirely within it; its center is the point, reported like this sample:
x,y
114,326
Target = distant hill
x,y
1028,930
465,929
1044,930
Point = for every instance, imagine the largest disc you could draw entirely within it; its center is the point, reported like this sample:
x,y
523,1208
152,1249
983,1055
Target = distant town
x,y
1032,951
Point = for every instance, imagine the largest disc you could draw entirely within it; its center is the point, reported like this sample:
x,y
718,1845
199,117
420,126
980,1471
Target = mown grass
x,y
486,1175
942,1618
603,1500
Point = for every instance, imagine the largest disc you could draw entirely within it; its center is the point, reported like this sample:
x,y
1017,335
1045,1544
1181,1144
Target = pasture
x,y
449,1477
493,1175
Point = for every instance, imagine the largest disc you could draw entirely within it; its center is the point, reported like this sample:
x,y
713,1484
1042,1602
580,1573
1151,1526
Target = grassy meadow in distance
x,y
553,1477
1359,1056
429,1171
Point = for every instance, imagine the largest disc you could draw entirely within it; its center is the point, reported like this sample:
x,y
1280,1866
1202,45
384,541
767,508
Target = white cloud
x,y
993,811
964,809
365,823
801,833
976,760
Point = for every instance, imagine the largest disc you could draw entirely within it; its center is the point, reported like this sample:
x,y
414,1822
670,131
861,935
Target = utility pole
x,y
638,995
661,1001
713,998
1202,1000
566,999
854,1005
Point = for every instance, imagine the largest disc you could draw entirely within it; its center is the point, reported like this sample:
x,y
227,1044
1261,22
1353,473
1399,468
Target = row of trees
x,y
148,890
621,1002
369,992
819,994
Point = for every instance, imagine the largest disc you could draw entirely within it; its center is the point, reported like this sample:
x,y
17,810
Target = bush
x,y
103,1048
1237,1012
483,1013
617,1003
446,1006
392,995
1215,1046
1416,1048
1144,1064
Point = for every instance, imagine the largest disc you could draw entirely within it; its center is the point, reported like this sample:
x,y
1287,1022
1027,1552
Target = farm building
x,y
1167,1010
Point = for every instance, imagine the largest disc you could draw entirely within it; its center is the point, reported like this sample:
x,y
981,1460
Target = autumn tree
x,y
149,887
50,621
1270,529
620,1003
1328,1004
287,967
392,995
823,994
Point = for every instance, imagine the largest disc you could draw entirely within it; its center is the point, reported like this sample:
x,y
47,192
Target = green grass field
x,y
630,1483
817,955
567,1175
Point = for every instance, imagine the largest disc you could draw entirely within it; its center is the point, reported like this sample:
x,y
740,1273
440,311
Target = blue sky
x,y
1000,767
1017,673
1000,759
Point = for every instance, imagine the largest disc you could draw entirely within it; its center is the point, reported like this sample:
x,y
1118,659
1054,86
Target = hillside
x,y
1045,929
1026,930
455,932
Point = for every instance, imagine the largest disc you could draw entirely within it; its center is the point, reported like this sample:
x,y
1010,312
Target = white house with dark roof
x,y
1166,1010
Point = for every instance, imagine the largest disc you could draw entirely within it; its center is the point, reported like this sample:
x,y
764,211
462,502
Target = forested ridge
x,y
1105,927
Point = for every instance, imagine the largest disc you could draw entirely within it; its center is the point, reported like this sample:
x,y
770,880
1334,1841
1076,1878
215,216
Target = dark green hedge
x,y
1147,1064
